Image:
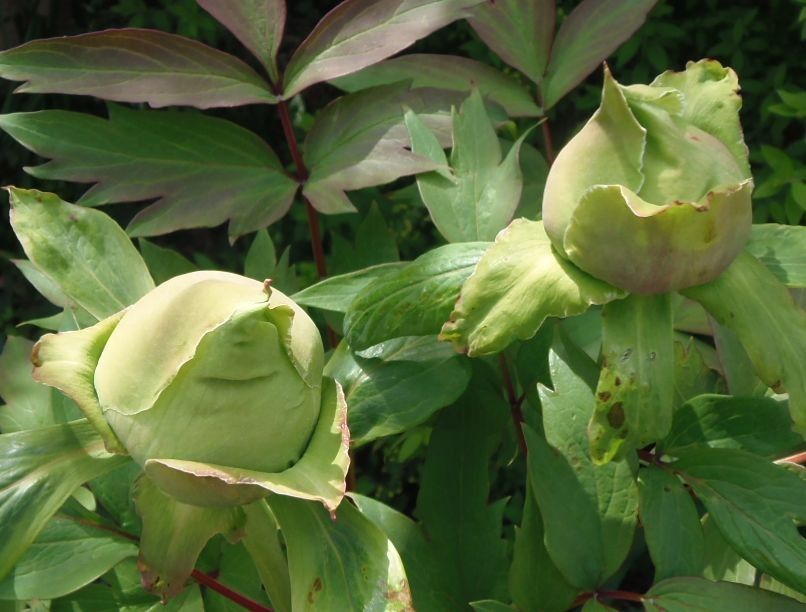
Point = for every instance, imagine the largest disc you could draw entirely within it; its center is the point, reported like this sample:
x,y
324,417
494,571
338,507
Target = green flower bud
x,y
653,194
213,383
239,369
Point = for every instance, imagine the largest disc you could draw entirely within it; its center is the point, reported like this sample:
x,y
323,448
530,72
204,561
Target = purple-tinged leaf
x,y
446,72
359,33
258,24
592,31
359,141
519,31
133,65
203,170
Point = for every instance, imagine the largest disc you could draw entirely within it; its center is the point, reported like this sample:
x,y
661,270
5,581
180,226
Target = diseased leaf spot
x,y
615,416
617,381
315,588
604,395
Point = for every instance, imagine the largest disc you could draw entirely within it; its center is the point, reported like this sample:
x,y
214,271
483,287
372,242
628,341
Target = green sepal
x,y
174,534
318,475
617,236
517,284
68,360
635,393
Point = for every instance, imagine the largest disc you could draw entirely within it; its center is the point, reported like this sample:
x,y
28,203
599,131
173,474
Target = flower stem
x,y
548,140
221,589
799,458
199,576
313,216
514,402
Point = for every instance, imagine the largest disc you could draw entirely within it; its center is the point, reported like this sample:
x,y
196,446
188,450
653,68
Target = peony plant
x,y
642,373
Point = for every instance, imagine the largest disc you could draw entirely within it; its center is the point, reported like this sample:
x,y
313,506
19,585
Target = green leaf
x,y
359,141
258,24
446,72
782,248
635,394
754,503
39,470
374,244
519,31
169,70
428,590
593,30
413,301
671,524
758,425
174,534
519,282
360,33
490,605
722,562
534,580
262,540
570,517
608,490
751,302
65,556
391,396
463,526
735,364
686,594
478,198
336,293
204,170
261,258
82,250
342,564
29,404
164,263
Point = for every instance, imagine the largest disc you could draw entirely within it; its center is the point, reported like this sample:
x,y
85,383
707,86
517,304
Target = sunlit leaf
x,y
359,33
203,170
82,250
135,66
593,30
519,31
446,72
258,24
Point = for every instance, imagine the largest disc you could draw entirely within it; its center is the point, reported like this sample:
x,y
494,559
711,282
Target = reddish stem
x,y
514,403
799,458
549,141
302,176
199,576
215,585
291,139
620,595
313,216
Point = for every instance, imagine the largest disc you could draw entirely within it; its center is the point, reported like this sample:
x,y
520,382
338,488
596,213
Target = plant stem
x,y
215,585
313,216
514,403
198,576
799,458
291,139
302,176
548,140
621,595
